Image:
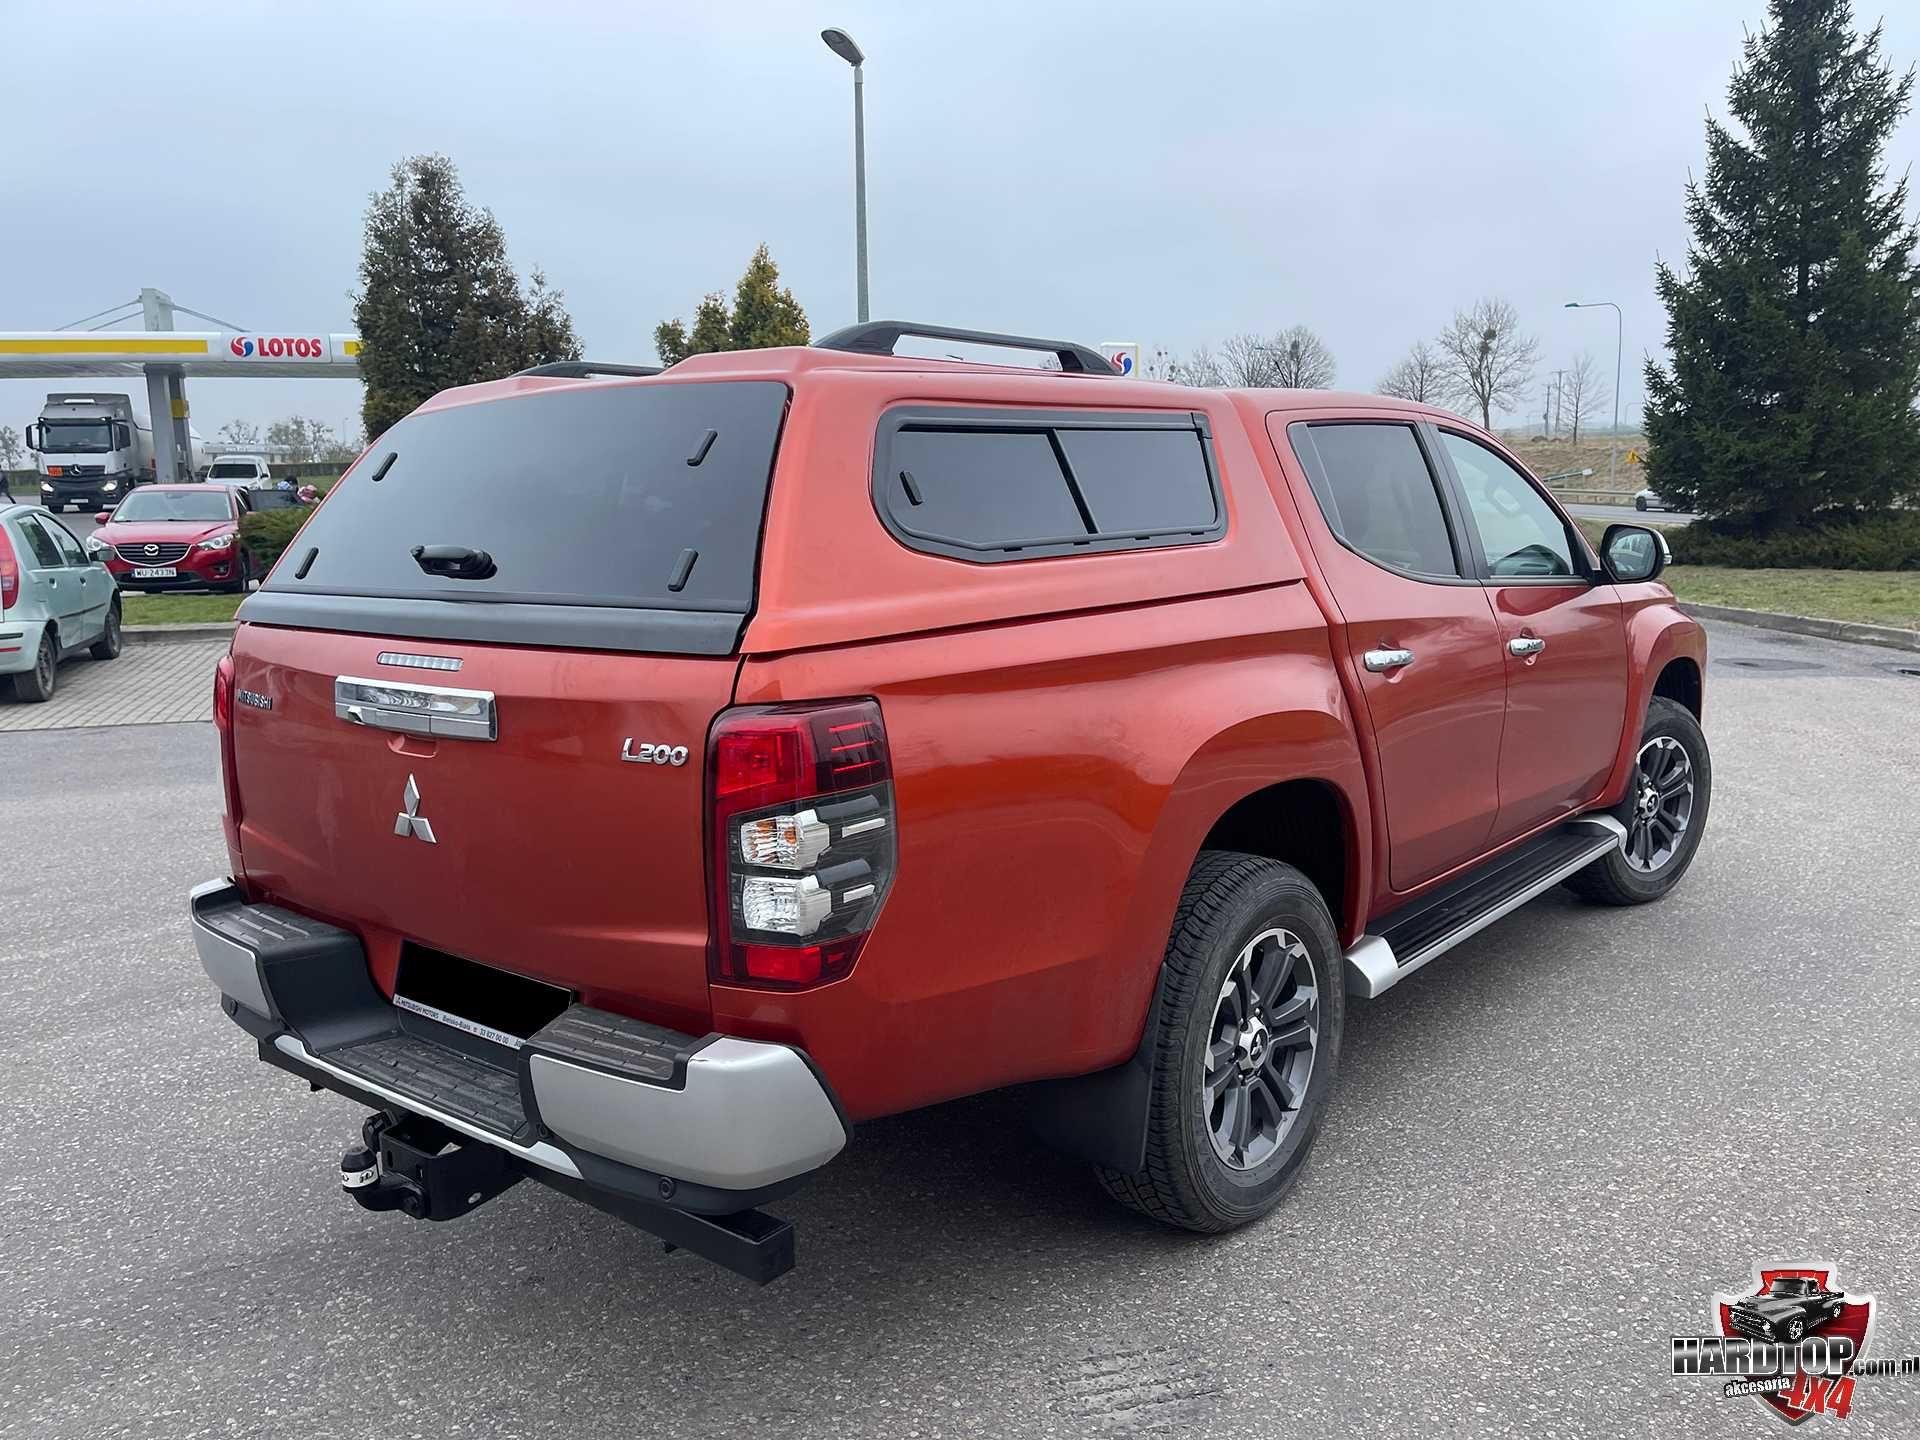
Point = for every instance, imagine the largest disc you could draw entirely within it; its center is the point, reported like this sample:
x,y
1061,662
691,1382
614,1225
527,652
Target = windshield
x,y
1790,1285
174,505
74,437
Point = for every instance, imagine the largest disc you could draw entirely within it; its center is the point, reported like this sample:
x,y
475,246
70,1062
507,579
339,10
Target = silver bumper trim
x,y
546,1156
750,1114
229,966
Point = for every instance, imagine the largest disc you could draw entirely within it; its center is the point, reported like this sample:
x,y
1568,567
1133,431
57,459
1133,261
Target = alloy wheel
x,y
1266,1027
1662,804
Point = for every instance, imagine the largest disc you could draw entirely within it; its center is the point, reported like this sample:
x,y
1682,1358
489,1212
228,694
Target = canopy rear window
x,y
606,499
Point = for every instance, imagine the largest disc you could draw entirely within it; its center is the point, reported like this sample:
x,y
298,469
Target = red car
x,y
174,537
835,733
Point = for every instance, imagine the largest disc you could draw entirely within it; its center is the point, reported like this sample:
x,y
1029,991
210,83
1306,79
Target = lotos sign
x,y
278,347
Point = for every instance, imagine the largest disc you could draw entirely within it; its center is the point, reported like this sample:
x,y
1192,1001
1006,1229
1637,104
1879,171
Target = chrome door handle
x,y
1526,645
1383,660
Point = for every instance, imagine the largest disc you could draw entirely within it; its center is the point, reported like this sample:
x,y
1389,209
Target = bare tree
x,y
240,432
1420,376
1244,362
1582,392
1488,362
1202,367
1301,360
1292,359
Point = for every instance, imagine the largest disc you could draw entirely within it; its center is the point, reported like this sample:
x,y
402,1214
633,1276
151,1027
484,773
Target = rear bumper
x,y
715,1124
19,643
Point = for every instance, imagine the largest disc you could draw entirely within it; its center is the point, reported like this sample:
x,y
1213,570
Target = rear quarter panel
x,y
1054,780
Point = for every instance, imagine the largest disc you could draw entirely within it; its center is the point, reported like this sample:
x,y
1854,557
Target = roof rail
x,y
581,369
878,337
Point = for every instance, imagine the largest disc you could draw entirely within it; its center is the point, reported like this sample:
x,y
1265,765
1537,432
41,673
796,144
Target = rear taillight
x,y
9,572
223,723
802,836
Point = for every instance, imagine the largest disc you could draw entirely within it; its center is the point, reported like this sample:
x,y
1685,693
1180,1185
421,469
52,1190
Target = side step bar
x,y
1400,943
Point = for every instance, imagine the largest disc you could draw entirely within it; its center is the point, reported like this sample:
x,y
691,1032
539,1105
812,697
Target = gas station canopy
x,y
64,355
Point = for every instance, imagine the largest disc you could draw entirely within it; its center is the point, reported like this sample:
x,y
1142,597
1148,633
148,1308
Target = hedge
x,y
268,532
1888,541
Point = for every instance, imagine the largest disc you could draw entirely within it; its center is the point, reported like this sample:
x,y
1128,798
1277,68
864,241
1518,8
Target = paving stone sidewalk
x,y
151,683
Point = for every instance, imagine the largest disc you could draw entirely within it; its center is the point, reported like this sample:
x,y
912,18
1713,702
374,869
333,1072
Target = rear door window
x,y
1378,494
70,551
46,554
1010,485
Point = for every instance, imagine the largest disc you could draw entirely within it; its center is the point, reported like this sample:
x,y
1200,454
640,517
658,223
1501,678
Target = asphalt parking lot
x,y
1546,1153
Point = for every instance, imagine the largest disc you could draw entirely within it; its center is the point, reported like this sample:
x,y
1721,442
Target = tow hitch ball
x,y
421,1168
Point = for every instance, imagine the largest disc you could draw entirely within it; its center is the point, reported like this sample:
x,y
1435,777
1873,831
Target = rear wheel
x,y
108,645
36,686
1247,1046
1665,812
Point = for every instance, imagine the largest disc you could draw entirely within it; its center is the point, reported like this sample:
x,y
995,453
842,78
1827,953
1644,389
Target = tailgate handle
x,y
415,709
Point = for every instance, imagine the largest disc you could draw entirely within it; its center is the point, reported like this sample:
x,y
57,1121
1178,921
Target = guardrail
x,y
1593,497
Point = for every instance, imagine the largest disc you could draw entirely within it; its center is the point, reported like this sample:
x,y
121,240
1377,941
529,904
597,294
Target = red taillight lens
x,y
9,572
802,836
223,723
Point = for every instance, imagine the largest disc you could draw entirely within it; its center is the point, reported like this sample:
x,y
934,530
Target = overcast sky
x,y
1168,174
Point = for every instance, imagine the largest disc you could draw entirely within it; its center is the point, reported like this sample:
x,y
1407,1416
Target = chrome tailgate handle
x,y
434,710
1380,661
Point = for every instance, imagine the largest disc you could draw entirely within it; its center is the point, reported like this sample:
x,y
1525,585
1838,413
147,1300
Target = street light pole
x,y
842,44
1619,335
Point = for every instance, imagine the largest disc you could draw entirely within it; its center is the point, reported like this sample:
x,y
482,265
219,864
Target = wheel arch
x,y
1665,647
1227,797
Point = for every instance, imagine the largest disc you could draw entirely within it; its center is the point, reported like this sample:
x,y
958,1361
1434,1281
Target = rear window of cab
x,y
994,485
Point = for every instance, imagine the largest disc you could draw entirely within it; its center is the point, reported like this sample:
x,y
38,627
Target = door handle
x,y
1526,645
1380,661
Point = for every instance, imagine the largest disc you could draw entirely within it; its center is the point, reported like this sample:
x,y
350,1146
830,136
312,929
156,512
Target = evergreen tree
x,y
439,304
762,315
1795,333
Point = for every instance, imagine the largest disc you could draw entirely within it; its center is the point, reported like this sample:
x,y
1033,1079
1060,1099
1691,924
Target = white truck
x,y
94,448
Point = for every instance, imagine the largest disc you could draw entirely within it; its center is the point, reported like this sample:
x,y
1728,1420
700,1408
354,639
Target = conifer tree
x,y
1795,329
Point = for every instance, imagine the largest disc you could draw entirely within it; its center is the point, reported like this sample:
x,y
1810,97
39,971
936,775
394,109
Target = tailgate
x,y
583,558
550,855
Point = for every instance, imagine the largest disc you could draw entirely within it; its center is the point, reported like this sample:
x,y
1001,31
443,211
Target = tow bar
x,y
421,1168
426,1170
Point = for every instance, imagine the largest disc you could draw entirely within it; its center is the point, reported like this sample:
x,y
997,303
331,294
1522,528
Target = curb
x,y
1891,637
164,634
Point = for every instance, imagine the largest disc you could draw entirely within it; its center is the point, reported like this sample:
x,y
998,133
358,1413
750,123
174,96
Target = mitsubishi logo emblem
x,y
410,821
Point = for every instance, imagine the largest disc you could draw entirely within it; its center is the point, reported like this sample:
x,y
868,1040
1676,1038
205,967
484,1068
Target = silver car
x,y
54,602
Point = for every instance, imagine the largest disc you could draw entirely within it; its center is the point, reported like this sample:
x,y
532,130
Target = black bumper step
x,y
606,1041
449,1080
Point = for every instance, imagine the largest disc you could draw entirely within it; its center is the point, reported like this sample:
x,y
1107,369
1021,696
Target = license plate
x,y
155,572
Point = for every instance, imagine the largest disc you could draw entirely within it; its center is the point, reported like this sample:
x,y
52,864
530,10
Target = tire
x,y
107,647
1796,1328
36,685
1233,905
1640,504
1623,878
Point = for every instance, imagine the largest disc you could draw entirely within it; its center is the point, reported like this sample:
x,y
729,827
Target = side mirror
x,y
1633,553
103,517
33,436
